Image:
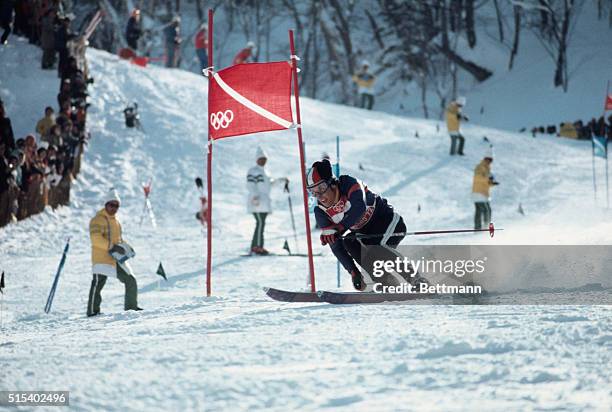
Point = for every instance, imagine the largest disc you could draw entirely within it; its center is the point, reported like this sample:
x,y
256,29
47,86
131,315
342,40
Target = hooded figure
x,y
259,184
108,251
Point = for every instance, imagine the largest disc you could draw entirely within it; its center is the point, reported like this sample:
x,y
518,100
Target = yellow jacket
x,y
482,182
453,114
365,81
568,130
44,125
105,231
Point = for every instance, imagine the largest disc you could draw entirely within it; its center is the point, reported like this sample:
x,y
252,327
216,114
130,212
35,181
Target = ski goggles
x,y
319,190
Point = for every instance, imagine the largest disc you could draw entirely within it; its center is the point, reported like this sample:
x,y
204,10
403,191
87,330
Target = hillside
x,y
240,351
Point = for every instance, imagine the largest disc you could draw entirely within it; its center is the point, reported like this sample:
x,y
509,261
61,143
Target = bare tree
x,y
556,21
517,34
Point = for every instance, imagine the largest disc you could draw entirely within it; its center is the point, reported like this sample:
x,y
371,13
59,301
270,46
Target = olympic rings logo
x,y
221,120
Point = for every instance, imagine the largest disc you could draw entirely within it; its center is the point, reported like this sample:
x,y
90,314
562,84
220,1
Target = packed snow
x,y
239,350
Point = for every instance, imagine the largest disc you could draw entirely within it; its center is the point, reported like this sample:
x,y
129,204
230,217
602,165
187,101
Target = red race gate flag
x,y
250,98
608,102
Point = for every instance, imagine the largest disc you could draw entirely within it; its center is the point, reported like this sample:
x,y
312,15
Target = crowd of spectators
x,y
37,170
579,129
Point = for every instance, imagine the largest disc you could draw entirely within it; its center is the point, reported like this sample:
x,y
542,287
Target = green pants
x,y
482,215
98,282
258,235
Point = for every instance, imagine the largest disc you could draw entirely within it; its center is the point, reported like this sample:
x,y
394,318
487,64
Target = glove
x,y
467,119
330,234
358,282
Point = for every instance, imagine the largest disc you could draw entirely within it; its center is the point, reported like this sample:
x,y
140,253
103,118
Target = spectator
x,y
62,35
6,130
259,184
54,137
365,81
482,183
453,123
245,55
47,38
133,30
64,94
9,190
172,35
201,46
6,19
44,125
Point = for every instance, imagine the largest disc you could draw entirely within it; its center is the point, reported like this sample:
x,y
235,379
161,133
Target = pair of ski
x,y
339,298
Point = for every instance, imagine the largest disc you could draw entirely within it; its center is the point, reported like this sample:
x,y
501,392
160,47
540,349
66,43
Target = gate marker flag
x,y
250,98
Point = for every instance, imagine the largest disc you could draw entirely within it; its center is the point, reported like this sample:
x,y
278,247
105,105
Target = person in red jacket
x,y
201,46
245,55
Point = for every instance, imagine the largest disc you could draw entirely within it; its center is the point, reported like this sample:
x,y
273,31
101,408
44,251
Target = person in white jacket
x,y
259,184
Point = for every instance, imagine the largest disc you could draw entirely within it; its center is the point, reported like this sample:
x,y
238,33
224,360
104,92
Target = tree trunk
x,y
517,33
423,84
200,10
561,69
469,23
500,26
480,73
376,30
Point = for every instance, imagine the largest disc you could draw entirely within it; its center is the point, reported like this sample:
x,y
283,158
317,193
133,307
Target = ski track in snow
x,y
239,350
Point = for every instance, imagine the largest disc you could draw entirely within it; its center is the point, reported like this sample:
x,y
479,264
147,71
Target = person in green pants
x,y
259,184
109,254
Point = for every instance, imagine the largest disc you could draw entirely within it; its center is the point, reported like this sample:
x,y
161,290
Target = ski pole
x,y
57,275
292,218
491,231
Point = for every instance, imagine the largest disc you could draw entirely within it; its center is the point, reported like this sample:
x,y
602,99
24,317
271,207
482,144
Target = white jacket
x,y
259,184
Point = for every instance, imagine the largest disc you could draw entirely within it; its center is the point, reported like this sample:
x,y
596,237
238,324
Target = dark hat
x,y
321,171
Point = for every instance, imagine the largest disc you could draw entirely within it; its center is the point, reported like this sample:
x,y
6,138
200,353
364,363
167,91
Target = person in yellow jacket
x,y
44,125
481,190
108,256
365,82
454,116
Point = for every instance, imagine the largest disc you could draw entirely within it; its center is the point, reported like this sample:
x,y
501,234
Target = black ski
x,y
339,298
289,296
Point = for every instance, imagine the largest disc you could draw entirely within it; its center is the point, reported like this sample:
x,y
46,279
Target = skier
x,y
133,30
365,81
453,123
483,181
345,203
259,184
109,253
245,55
201,46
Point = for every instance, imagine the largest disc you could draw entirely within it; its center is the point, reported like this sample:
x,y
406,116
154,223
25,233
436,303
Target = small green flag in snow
x,y
161,272
286,247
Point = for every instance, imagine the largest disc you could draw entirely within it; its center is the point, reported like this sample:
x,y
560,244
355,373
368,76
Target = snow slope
x,y
240,351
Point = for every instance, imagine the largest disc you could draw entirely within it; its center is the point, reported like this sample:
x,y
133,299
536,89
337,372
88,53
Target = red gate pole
x,y
209,163
296,88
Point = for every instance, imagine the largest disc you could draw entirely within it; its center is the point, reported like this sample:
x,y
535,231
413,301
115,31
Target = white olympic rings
x,y
221,120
